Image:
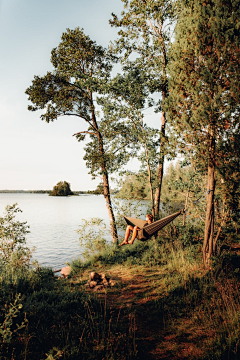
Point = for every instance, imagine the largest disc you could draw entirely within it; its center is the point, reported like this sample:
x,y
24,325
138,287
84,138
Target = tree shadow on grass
x,y
198,320
185,322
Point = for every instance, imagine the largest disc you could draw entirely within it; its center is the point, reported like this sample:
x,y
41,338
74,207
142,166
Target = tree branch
x,y
85,132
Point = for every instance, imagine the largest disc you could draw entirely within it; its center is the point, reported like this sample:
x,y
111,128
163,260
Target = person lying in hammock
x,y
135,230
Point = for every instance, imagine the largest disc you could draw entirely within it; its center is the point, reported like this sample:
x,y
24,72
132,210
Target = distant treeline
x,y
40,192
26,191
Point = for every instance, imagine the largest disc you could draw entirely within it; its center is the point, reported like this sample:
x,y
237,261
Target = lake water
x,y
53,223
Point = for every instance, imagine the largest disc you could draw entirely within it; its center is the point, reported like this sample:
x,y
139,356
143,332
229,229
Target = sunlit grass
x,y
164,303
193,313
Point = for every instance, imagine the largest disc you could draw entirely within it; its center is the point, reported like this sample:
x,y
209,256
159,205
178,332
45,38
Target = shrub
x,y
13,249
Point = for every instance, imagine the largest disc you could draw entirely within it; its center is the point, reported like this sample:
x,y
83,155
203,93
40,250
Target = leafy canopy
x,y
205,78
81,67
81,74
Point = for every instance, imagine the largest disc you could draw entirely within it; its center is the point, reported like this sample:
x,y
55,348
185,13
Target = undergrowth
x,y
190,300
46,318
42,317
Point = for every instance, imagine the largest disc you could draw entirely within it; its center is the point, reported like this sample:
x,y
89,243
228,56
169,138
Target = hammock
x,y
147,231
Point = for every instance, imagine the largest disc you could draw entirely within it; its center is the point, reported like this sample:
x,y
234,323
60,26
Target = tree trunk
x,y
186,204
209,223
150,181
162,129
111,216
106,192
223,221
106,188
160,167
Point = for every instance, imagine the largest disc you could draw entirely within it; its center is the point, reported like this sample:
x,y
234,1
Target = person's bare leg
x,y
134,235
127,234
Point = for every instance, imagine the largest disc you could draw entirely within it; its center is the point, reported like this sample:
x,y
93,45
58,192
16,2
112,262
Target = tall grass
x,y
45,318
187,298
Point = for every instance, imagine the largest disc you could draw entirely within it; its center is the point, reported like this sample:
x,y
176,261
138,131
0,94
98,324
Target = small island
x,y
61,189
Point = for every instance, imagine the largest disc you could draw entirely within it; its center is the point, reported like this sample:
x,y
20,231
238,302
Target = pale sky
x,y
34,154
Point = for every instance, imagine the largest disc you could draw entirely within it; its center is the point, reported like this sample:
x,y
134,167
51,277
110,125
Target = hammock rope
x,y
206,193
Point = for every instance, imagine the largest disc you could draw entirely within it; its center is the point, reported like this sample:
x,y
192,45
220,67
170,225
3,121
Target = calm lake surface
x,y
53,223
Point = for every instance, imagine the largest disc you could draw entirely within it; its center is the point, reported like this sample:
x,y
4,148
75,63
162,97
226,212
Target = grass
x,y
182,312
61,320
164,306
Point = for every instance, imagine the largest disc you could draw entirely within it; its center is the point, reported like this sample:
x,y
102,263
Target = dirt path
x,y
137,293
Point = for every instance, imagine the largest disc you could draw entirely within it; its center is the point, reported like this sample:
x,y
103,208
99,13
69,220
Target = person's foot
x,y
124,243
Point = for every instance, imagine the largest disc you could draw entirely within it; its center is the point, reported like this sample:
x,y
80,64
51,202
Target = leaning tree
x,y
205,92
81,73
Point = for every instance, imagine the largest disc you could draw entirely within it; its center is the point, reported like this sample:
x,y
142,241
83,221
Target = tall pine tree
x,y
81,73
205,91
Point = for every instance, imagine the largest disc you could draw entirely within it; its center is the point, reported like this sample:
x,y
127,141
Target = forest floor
x,y
145,299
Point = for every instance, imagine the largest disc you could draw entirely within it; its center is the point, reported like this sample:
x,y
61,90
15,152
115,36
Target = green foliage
x,y
142,45
80,78
93,235
10,312
145,32
56,318
98,191
178,180
81,74
127,100
150,253
133,186
189,304
61,189
177,183
13,249
80,64
204,100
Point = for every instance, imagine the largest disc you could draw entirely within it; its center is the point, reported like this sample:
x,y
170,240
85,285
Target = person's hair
x,y
149,216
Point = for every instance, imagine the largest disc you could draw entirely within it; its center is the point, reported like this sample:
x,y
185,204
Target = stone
x,y
94,276
105,282
98,282
66,270
112,282
92,284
